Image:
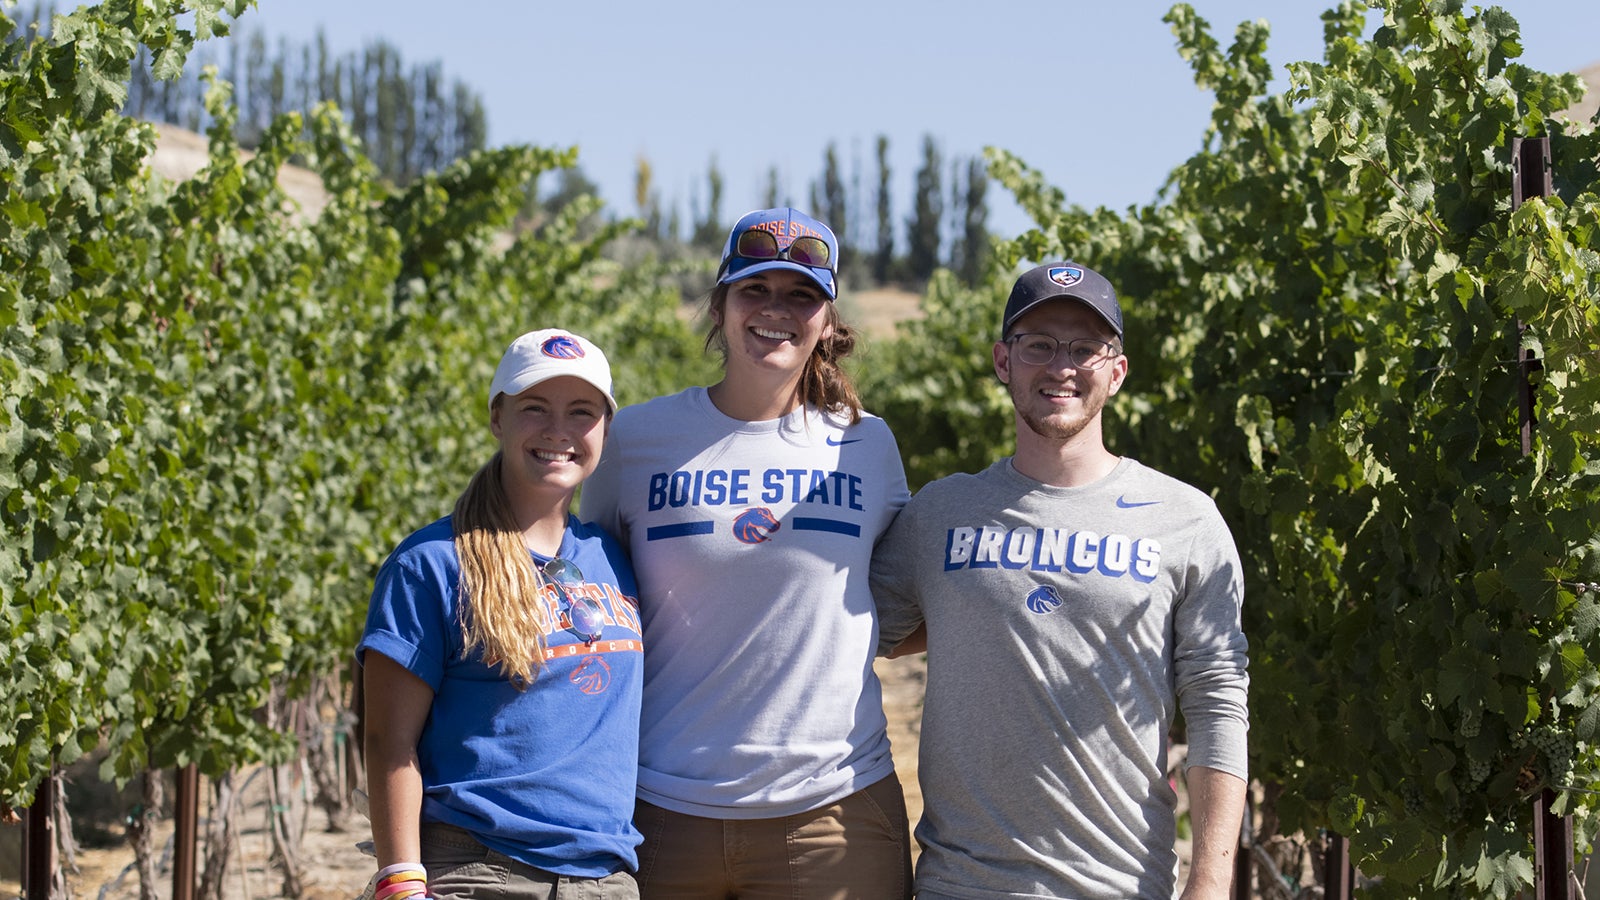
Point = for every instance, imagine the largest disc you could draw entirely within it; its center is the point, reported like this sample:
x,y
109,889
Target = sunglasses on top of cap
x,y
760,245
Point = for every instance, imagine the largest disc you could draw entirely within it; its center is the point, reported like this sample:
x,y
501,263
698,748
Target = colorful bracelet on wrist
x,y
401,881
402,891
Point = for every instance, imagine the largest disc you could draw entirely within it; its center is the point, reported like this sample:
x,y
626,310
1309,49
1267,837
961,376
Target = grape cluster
x,y
1557,749
1471,723
1412,799
1477,772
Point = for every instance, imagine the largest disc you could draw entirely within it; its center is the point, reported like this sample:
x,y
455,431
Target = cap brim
x,y
1011,321
527,378
739,268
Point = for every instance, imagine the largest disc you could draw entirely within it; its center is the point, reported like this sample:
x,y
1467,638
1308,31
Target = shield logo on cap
x,y
1066,276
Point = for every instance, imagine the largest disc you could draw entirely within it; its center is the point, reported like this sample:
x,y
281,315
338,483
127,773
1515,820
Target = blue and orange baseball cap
x,y
785,238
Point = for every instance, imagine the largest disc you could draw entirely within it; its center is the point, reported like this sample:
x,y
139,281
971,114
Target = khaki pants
x,y
460,868
858,848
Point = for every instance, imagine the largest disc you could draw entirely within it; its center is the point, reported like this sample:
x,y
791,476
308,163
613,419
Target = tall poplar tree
x,y
430,105
954,215
975,247
254,113
835,208
327,69
645,198
708,230
922,229
857,215
883,257
770,201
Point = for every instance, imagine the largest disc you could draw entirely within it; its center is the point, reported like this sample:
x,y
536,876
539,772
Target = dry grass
x,y
877,311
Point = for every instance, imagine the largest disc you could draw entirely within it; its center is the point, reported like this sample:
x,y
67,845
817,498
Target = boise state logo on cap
x,y
786,225
755,525
562,346
1066,276
551,353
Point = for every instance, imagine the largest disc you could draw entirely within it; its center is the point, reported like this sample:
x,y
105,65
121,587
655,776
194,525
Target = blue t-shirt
x,y
544,775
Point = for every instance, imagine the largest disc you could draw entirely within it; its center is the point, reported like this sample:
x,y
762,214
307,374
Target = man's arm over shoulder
x,y
893,577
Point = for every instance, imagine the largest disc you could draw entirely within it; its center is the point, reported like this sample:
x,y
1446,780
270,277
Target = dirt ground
x,y
336,869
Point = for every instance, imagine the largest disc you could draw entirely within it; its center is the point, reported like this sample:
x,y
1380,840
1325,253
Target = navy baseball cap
x,y
784,238
1062,280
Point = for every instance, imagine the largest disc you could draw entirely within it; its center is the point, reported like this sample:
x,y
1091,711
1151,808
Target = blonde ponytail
x,y
501,609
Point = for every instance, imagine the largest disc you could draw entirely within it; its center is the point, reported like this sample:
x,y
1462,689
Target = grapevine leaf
x,y
1587,726
1585,618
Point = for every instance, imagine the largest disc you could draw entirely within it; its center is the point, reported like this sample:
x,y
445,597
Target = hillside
x,y
1586,108
181,153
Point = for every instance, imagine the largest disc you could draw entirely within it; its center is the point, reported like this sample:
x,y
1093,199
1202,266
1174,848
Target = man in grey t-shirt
x,y
1072,601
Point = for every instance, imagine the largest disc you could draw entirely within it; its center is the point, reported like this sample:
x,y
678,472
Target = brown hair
x,y
501,608
824,384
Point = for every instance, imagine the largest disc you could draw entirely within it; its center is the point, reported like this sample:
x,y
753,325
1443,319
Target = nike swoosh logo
x,y
837,443
1125,503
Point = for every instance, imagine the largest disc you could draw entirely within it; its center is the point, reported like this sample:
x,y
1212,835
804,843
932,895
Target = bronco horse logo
x,y
1043,599
562,347
755,525
592,676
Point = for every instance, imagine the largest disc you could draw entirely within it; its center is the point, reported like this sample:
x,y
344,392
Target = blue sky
x,y
1092,94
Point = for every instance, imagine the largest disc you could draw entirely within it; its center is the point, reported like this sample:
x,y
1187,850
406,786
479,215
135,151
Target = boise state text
x,y
742,487
1052,550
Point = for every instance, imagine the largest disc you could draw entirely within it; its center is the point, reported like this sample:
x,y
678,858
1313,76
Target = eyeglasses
x,y
1083,353
807,250
587,616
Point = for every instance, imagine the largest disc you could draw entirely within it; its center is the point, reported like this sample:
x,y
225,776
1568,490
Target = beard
x,y
1051,423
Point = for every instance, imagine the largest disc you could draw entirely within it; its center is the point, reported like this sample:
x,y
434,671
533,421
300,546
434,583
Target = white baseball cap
x,y
542,355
